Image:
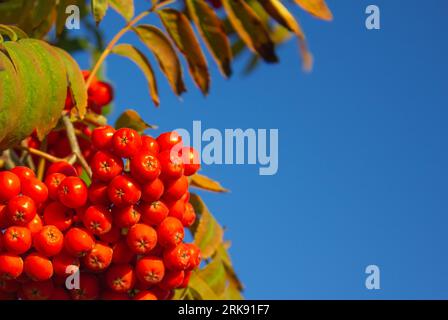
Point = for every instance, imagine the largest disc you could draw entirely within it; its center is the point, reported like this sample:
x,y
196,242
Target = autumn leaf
x,y
205,183
317,8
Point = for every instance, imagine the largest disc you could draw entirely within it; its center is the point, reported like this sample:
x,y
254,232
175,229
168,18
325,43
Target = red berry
x,y
35,225
170,232
78,242
36,190
149,144
124,191
172,166
175,189
112,236
172,279
101,93
59,294
191,160
89,287
17,240
141,238
126,142
152,191
195,256
62,261
120,278
49,241
105,166
62,167
177,258
122,253
111,295
102,137
58,215
125,217
37,290
145,167
154,213
98,193
97,219
9,185
38,267
177,209
150,270
99,258
189,216
169,140
72,192
145,295
11,266
21,210
53,181
24,173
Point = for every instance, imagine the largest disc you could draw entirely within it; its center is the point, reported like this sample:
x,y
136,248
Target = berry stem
x,y
41,154
118,36
71,135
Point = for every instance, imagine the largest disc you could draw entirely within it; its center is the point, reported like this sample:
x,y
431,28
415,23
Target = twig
x,y
41,154
9,164
71,136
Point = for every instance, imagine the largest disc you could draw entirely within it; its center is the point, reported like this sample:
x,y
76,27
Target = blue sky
x,y
362,155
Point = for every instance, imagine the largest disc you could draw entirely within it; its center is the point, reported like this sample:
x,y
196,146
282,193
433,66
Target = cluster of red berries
x,y
124,232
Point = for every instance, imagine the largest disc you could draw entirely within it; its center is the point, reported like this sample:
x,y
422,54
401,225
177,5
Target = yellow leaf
x,y
250,28
317,8
132,53
205,183
201,288
131,119
281,14
124,7
181,32
166,56
214,274
212,31
208,234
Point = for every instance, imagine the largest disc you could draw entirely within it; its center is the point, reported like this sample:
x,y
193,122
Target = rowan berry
x,y
98,193
177,258
97,219
102,137
9,185
123,191
153,213
17,240
37,290
21,210
191,160
145,295
122,254
78,242
58,215
150,270
170,232
105,166
23,173
141,238
62,261
169,140
149,144
11,266
72,192
100,93
52,181
49,241
145,167
62,167
89,287
152,191
120,278
38,267
189,216
171,164
36,190
99,258
172,279
125,217
126,142
177,209
175,189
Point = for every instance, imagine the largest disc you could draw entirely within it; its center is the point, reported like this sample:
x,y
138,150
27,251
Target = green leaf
x,y
214,274
208,234
53,83
8,31
205,183
124,7
317,8
212,31
135,55
181,32
281,14
250,28
76,82
99,8
166,56
131,119
201,288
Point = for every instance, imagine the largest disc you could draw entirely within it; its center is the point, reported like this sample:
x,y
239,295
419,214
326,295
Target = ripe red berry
x,y
98,193
38,267
78,242
21,210
52,181
62,261
72,192
152,191
149,144
171,164
9,185
35,225
106,166
102,137
122,253
175,189
11,266
120,278
24,173
36,190
58,215
124,191
99,258
101,93
189,216
153,213
172,279
17,240
49,241
177,209
195,256
170,232
126,142
62,167
169,140
125,217
145,295
191,160
112,236
177,258
145,167
187,276
150,270
37,290
89,287
141,238
97,219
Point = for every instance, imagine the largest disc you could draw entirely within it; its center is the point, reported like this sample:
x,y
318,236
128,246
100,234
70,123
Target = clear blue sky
x,y
363,155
